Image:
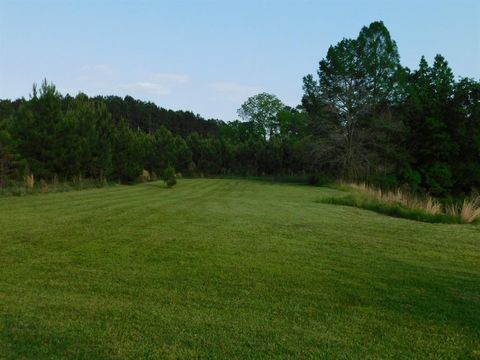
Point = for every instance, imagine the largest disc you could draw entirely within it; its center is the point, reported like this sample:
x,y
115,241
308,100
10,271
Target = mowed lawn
x,y
230,269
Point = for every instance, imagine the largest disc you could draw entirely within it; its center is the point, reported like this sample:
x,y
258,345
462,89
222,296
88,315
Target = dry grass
x,y
44,187
29,181
144,176
398,197
30,185
468,212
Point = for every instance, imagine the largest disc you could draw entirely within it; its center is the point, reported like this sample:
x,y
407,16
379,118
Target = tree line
x,y
363,117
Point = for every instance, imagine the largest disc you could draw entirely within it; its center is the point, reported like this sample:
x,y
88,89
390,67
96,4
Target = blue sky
x,y
209,56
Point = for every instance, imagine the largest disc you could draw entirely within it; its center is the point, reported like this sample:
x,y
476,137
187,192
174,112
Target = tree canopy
x,y
362,117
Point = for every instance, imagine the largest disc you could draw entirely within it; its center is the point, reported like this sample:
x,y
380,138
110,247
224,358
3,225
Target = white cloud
x,y
172,78
233,91
148,88
159,84
94,72
103,76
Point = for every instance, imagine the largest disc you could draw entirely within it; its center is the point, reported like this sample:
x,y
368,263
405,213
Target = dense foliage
x,y
168,176
365,118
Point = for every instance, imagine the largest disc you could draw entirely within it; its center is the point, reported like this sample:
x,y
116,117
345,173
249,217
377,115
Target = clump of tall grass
x,y
29,181
403,204
144,176
468,211
399,197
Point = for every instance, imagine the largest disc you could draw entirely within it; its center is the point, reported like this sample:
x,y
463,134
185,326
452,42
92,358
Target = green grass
x,y
231,269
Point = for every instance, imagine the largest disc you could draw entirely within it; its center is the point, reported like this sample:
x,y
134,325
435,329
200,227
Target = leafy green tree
x,y
379,63
357,80
262,110
364,118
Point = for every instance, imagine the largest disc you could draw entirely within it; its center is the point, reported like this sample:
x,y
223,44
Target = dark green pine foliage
x,y
431,141
87,139
12,166
38,127
465,120
365,118
168,176
128,153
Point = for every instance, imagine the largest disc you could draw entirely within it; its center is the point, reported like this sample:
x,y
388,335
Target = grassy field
x,y
231,269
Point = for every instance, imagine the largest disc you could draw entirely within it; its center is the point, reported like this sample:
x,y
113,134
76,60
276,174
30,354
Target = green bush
x,y
168,176
412,179
319,179
384,181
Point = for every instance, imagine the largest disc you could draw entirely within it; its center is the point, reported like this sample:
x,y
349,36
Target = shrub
x,y
439,178
412,179
168,176
384,181
319,179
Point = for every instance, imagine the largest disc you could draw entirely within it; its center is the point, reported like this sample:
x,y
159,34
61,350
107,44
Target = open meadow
x,y
231,269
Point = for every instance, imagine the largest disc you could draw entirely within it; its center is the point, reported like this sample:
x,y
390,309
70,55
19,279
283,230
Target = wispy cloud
x,y
103,76
148,88
232,91
172,78
160,84
93,72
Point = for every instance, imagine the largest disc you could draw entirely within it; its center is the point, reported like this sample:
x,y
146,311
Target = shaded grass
x,y
230,269
288,179
315,179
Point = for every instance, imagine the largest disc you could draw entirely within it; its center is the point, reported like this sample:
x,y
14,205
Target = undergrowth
x,y
40,187
402,204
